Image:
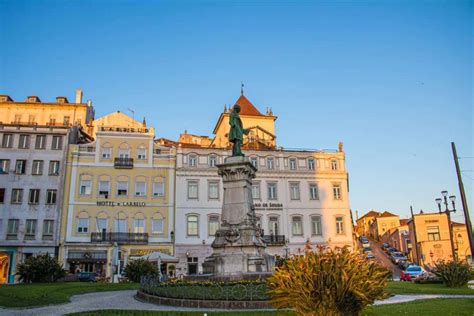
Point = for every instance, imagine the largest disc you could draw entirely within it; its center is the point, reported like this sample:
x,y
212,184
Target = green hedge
x,y
225,291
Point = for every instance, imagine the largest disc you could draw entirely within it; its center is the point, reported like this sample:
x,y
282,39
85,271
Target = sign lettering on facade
x,y
111,203
269,206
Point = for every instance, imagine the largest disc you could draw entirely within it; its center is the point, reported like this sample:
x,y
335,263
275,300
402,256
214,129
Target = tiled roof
x,y
246,107
404,221
371,214
387,214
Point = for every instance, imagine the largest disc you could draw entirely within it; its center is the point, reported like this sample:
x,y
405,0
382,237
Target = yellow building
x,y
432,241
383,223
120,203
33,111
363,223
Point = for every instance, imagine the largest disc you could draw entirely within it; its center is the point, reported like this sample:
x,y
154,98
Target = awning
x,y
155,256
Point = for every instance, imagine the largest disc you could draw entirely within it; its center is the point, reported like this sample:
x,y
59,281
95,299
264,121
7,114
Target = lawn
x,y
22,295
399,287
443,307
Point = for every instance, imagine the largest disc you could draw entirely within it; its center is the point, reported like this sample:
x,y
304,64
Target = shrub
x,y
453,273
135,269
40,268
327,282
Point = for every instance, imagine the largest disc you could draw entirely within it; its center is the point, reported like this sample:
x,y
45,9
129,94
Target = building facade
x,y
383,223
299,195
120,201
429,235
34,137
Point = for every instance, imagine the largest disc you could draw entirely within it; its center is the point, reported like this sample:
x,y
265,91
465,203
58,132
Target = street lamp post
x,y
452,198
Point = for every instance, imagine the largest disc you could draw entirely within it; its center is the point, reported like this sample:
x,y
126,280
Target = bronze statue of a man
x,y
237,131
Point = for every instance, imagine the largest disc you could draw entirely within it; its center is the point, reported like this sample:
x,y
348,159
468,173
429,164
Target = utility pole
x,y
463,200
414,234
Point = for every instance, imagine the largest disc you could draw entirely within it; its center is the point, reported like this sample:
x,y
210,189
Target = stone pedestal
x,y
238,247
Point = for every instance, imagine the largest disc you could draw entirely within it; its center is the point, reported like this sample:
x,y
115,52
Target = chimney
x,y
357,214
78,96
89,103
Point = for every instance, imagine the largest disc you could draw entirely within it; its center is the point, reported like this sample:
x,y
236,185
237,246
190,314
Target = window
x,y
104,188
193,188
139,226
339,225
2,195
57,143
20,167
52,121
254,161
295,191
124,153
101,224
212,161
158,189
270,163
33,198
313,192
12,228
30,227
141,154
273,225
157,226
4,166
48,227
54,168
433,232
256,191
213,190
140,188
51,196
17,119
85,187
82,225
334,164
311,164
17,196
192,161
213,225
292,164
121,225
40,142
66,120
24,141
316,229
106,153
7,140
37,167
272,191
122,188
297,226
336,191
192,225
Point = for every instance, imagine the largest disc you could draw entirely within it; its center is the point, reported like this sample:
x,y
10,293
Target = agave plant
x,y
327,282
453,273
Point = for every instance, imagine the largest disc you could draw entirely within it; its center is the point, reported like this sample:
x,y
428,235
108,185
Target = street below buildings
x,y
384,259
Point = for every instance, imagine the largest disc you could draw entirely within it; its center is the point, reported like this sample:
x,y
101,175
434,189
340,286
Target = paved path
x,y
383,258
125,300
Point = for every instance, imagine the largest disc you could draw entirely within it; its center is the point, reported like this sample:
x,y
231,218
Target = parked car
x,y
365,244
385,246
405,264
365,250
411,273
87,276
369,255
390,250
397,256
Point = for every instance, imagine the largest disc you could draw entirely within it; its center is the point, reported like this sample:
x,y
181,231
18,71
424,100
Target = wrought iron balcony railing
x,y
120,238
274,240
123,163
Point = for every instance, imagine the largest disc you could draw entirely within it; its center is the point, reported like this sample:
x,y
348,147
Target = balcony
x,y
274,240
123,163
120,238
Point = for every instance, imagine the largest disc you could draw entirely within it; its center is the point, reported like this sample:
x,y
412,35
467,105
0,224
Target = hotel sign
x,y
268,206
124,129
127,203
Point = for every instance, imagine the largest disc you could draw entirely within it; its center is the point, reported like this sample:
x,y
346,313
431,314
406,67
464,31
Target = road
x,y
383,259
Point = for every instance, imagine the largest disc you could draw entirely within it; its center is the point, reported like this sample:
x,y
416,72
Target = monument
x,y
238,247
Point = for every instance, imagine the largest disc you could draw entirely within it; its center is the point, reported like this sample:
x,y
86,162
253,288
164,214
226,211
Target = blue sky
x,y
391,79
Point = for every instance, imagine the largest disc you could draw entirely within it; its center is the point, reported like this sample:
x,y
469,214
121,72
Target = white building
x,y
299,195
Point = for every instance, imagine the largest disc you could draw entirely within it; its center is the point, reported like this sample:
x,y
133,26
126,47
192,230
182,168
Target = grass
x,y
445,307
29,295
399,287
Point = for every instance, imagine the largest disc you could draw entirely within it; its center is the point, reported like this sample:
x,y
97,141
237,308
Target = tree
x,y
135,269
40,268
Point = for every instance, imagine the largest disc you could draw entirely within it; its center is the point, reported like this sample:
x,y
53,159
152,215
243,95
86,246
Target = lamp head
x,y
444,193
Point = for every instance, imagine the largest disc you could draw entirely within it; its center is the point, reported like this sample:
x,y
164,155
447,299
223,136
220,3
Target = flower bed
x,y
206,290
